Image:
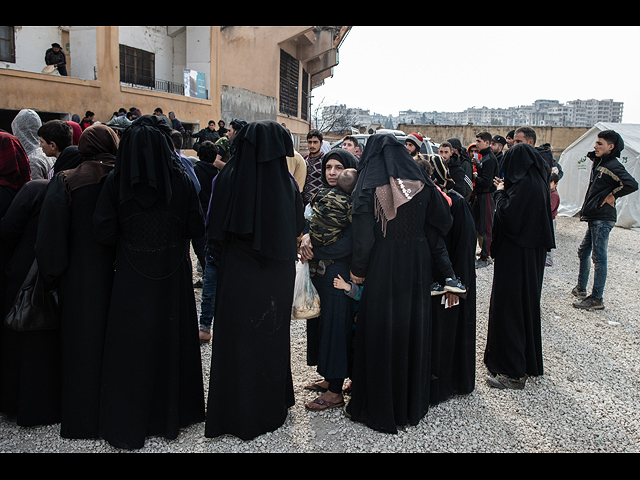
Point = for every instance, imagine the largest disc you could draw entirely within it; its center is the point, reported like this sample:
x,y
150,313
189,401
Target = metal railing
x,y
140,81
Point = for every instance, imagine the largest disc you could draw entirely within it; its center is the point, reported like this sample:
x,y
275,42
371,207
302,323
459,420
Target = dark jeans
x,y
209,286
594,247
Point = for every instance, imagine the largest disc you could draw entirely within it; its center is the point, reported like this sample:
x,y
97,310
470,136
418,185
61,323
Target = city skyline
x,y
430,68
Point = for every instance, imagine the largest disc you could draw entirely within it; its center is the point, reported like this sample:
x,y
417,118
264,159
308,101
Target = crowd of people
x,y
108,214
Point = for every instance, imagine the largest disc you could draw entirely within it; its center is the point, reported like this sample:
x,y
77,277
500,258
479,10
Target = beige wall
x,y
49,93
559,137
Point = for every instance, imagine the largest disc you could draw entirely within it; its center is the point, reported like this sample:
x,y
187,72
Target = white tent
x,y
577,168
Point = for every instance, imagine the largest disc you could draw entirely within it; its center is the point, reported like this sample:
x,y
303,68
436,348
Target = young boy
x,y
331,208
609,181
55,136
555,203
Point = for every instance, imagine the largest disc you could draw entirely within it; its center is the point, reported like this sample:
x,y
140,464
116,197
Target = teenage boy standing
x,y
609,181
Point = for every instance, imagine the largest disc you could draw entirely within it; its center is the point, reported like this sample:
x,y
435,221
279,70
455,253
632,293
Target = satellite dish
x,y
49,69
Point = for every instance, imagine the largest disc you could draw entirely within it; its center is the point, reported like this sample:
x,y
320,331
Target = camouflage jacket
x,y
331,215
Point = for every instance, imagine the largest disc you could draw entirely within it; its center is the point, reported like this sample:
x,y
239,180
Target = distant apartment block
x,y
574,113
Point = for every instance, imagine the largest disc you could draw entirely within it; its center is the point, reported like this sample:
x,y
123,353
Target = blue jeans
x,y
209,285
594,247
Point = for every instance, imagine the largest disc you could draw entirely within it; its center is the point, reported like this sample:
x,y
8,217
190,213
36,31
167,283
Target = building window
x,y
137,66
289,81
7,45
304,108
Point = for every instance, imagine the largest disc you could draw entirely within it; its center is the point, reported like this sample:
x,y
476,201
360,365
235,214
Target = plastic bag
x,y
306,301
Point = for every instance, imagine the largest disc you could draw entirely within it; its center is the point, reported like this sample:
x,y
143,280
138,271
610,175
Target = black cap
x,y
499,139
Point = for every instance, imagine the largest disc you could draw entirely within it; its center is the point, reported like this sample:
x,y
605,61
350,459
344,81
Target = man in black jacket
x,y
609,181
483,204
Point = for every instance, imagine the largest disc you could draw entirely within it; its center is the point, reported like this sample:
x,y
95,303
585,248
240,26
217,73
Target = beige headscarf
x,y
392,195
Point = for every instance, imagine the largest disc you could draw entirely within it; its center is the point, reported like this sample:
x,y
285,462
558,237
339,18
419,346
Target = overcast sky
x,y
423,68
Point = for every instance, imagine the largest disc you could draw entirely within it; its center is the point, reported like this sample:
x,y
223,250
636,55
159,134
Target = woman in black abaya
x,y
152,372
67,249
523,232
256,215
329,335
394,202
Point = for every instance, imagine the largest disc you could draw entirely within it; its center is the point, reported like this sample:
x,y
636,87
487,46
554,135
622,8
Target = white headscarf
x,y
25,128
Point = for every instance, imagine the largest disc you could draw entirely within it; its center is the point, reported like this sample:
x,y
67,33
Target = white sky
x,y
426,68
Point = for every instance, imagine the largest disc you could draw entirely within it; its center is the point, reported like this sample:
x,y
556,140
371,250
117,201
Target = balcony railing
x,y
140,81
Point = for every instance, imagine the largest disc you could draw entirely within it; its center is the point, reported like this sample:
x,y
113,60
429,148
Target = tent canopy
x,y
577,169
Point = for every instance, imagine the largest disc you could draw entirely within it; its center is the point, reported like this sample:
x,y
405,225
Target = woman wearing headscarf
x,y
30,361
523,232
30,378
329,335
394,203
67,250
77,132
25,128
14,173
256,216
152,371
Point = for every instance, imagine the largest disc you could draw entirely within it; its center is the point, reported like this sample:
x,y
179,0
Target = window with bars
x,y
289,81
304,108
137,66
7,45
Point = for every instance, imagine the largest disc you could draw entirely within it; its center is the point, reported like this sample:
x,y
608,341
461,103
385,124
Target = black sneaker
x,y
590,303
454,285
579,292
436,289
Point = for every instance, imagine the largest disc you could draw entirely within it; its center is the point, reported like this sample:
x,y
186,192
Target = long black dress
x,y
329,335
256,214
152,373
523,232
453,350
392,353
31,370
67,250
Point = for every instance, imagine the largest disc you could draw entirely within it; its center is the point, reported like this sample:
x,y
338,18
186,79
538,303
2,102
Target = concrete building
x,y
201,73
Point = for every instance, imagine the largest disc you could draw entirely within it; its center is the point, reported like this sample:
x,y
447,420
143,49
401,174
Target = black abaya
x,y
523,232
392,353
68,250
31,370
256,215
454,329
152,372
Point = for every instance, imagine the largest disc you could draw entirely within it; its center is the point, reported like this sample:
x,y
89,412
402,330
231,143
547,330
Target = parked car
x,y
428,147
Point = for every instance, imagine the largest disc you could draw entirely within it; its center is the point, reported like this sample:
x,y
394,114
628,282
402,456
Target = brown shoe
x,y
502,382
205,337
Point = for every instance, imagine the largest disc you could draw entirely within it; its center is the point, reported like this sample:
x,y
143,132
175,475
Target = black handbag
x,y
37,306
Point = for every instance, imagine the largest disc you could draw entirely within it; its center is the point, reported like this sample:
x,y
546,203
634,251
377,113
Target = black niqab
x,y
524,215
383,158
254,194
145,157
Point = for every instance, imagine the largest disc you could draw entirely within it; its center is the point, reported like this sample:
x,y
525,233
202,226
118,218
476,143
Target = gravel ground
x,y
587,401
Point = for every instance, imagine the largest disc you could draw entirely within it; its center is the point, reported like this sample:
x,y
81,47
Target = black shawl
x,y
254,194
523,208
68,159
145,157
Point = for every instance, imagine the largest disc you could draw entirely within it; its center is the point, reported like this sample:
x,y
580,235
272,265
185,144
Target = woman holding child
x,y
329,335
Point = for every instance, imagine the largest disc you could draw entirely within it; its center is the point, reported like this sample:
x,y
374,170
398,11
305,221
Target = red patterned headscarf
x,y
14,163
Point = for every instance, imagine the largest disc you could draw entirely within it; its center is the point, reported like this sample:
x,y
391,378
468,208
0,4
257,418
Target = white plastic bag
x,y
306,301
